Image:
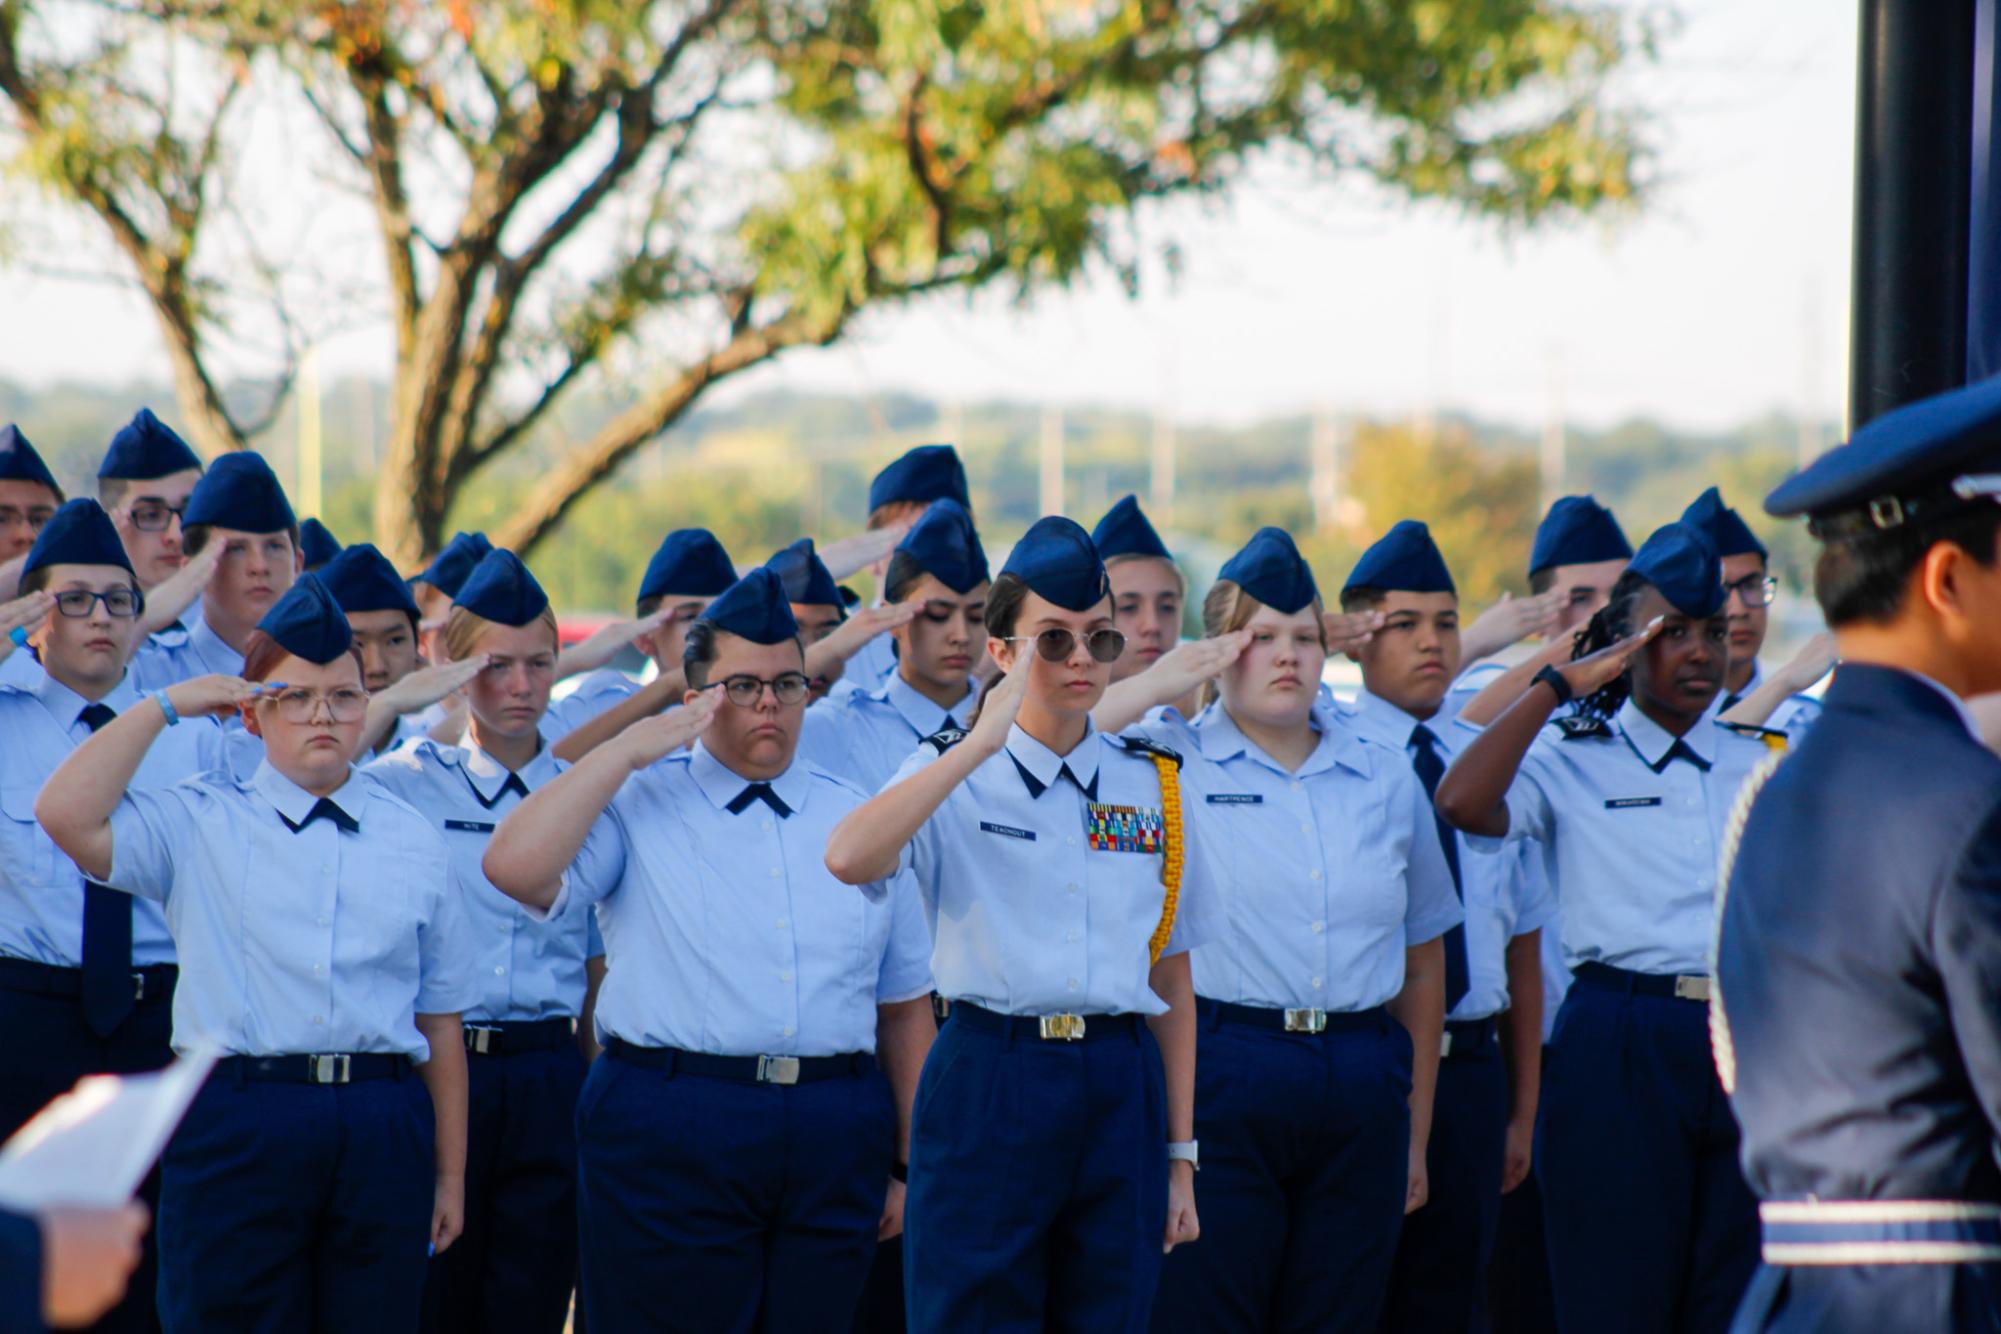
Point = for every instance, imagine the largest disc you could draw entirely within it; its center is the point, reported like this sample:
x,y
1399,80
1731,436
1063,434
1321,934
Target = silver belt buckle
x,y
330,1069
1444,1044
1306,1021
1691,988
138,986
1062,1027
479,1041
778,1069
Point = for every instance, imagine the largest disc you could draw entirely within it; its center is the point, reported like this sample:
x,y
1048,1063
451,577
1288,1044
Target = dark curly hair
x,y
1608,625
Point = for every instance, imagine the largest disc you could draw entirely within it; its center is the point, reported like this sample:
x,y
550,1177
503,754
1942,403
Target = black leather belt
x,y
1466,1038
1301,1020
1046,1027
485,1038
1676,986
334,1067
155,982
743,1069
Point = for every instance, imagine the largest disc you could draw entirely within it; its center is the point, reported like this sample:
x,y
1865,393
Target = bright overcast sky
x,y
1727,299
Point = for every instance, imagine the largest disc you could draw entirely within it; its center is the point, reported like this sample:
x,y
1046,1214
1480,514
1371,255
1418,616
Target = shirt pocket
x,y
30,853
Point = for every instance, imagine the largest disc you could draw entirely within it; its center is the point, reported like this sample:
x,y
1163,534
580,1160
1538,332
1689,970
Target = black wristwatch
x,y
900,1172
1554,679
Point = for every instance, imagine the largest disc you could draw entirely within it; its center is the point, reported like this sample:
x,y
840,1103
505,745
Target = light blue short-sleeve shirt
x,y
164,660
866,735
318,940
595,693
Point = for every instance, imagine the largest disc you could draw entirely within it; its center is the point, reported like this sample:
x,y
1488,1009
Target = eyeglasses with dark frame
x,y
1057,644
1754,590
154,516
744,690
120,603
34,517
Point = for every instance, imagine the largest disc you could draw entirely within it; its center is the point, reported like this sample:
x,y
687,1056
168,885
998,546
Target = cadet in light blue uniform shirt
x,y
317,544
1628,799
1748,582
900,493
240,504
321,949
144,482
764,1025
516,1264
86,973
434,587
819,605
1321,999
867,733
1483,1117
1041,1187
29,494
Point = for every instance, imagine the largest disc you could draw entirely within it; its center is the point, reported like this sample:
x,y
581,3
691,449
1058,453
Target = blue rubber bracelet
x,y
19,635
166,707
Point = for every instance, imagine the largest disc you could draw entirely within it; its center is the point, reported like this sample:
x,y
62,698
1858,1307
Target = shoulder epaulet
x,y
945,738
1771,738
1582,727
1141,746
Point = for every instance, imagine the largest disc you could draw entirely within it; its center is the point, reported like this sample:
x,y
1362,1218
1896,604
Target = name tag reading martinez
x,y
1124,828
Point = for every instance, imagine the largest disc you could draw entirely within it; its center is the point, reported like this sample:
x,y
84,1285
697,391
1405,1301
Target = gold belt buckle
x,y
330,1069
778,1069
1691,988
479,1041
1445,1044
1306,1021
1062,1027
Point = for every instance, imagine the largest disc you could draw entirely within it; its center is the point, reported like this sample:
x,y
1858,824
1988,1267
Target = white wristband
x,y
1184,1151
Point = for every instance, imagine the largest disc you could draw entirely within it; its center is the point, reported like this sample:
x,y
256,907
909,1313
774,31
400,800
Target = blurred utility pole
x,y
1161,496
1809,409
1328,430
1555,445
1052,460
310,499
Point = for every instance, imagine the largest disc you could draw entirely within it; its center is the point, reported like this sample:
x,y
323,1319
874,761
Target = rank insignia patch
x,y
1124,828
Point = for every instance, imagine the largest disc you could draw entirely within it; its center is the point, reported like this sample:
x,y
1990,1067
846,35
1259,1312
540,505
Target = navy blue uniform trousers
x,y
1038,1181
1305,1166
1441,1261
20,1273
1518,1296
1651,1228
49,1047
292,1207
710,1205
513,1269
1873,1299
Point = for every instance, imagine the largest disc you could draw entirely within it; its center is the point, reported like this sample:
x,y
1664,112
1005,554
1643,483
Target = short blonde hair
x,y
1229,608
464,628
1113,563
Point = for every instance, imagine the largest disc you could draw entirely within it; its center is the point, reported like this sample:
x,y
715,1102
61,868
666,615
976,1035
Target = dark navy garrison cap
x,y
1124,531
500,589
80,533
755,608
1403,560
240,492
1680,561
689,563
307,622
449,568
808,582
1270,569
145,448
1058,562
1726,528
1916,462
362,579
20,463
945,544
1577,531
925,474
316,544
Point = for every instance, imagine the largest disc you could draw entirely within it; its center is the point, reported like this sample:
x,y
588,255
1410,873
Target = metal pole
x,y
1913,146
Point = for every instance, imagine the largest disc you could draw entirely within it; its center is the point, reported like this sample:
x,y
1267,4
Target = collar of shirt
x,y
294,802
489,776
1390,724
207,645
1222,740
62,703
1046,766
920,712
1652,742
1958,705
722,784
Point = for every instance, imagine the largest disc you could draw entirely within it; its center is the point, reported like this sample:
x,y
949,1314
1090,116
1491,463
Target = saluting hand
x,y
1587,676
215,696
1000,704
1815,659
178,591
847,639
848,554
1186,666
1182,1224
23,613
1346,632
427,685
652,739
1512,620
600,648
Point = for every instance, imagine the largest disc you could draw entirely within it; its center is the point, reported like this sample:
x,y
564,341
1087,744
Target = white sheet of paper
x,y
93,1146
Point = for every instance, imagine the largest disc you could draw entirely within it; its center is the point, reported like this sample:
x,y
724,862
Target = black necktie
x,y
758,792
108,990
513,784
1680,750
1430,768
324,809
1729,702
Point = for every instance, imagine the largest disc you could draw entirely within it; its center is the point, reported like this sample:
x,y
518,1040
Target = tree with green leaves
x,y
662,196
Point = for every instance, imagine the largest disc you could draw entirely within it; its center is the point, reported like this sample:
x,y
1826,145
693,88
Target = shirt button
x,y
781,924
1316,984
1070,936
1294,785
1071,887
319,968
775,873
325,869
1072,840
1319,927
1073,984
765,826
1315,874
1305,828
500,972
319,1020
785,1032
785,977
325,922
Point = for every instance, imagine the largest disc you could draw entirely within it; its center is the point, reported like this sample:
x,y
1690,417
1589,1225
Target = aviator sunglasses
x,y
1057,645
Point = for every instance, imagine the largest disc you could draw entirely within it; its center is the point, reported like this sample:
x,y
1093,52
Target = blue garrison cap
x,y
1057,561
362,579
80,533
449,568
240,491
1902,465
307,622
755,608
145,448
807,580
944,543
1577,531
317,544
689,563
1403,560
1271,570
1725,527
501,589
1680,561
20,463
925,474
1124,531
